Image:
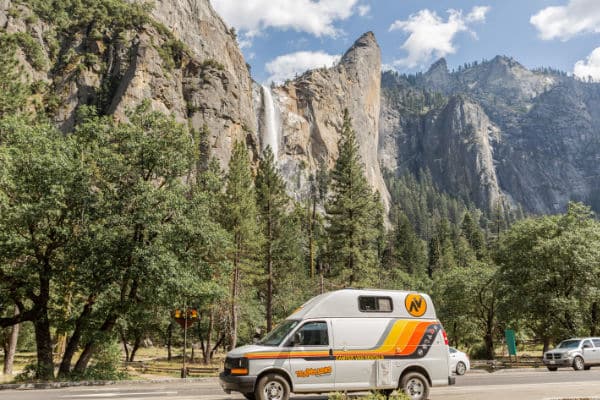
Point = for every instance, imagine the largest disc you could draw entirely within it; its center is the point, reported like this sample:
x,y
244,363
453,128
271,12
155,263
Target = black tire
x,y
552,368
578,364
461,368
415,386
272,387
249,396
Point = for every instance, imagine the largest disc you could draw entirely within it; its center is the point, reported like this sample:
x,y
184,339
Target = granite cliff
x,y
311,110
181,57
496,132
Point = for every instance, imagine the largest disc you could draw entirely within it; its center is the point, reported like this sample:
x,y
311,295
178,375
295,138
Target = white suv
x,y
579,353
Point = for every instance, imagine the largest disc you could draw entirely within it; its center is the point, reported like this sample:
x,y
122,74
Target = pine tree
x,y
13,92
351,230
474,235
407,248
239,218
271,200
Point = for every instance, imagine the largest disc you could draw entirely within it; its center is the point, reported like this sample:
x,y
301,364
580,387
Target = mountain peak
x,y
440,65
364,46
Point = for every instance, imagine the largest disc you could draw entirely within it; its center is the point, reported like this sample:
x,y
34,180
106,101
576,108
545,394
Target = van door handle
x,y
330,353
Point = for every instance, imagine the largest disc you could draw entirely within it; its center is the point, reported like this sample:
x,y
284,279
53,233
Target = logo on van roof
x,y
415,305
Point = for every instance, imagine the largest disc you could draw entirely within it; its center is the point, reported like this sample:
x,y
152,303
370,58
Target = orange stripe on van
x,y
402,339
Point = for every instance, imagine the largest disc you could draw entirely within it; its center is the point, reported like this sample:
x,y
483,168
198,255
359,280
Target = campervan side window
x,y
312,334
375,304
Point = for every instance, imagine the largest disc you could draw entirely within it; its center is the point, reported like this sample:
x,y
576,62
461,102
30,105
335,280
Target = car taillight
x,y
445,337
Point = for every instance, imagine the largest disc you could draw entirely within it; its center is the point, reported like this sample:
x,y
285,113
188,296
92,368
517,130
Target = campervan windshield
x,y
276,336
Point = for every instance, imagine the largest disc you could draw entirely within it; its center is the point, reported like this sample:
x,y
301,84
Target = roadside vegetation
x,y
106,229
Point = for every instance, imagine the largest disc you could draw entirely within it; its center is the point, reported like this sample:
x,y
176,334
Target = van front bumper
x,y
236,383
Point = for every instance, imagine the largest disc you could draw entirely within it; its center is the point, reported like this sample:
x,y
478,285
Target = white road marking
x,y
117,394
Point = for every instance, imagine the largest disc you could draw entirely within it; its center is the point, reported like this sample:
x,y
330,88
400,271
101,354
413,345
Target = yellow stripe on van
x,y
402,339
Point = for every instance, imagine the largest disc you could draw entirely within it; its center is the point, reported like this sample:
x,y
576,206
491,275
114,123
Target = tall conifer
x,y
352,230
239,218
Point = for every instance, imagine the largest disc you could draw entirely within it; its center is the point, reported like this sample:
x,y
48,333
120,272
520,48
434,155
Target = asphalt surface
x,y
503,385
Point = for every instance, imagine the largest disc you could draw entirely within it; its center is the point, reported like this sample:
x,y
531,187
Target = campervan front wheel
x,y
415,386
272,387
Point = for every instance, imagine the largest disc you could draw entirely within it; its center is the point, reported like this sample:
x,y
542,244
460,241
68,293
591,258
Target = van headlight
x,y
236,366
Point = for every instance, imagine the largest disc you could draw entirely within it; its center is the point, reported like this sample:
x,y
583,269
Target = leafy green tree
x,y
549,266
44,195
240,219
467,301
351,231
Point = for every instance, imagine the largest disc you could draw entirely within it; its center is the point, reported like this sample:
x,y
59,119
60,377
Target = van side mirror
x,y
296,340
587,346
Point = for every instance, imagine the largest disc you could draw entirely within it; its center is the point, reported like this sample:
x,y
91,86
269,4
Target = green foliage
x,y
103,15
107,365
13,91
280,252
31,48
549,266
350,211
239,217
399,395
172,52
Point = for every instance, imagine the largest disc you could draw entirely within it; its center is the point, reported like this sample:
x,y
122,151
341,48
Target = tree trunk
x,y
136,346
90,347
169,341
124,341
594,322
73,343
489,346
269,290
234,297
11,348
216,346
43,341
546,340
206,353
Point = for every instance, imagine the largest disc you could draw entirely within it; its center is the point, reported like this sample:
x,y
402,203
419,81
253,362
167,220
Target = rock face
x,y
183,60
311,113
496,131
216,89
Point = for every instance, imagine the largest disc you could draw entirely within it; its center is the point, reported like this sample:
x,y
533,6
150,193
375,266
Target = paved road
x,y
531,385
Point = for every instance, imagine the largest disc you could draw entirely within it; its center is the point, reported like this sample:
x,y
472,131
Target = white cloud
x,y
289,65
477,14
316,17
430,36
364,10
589,67
564,22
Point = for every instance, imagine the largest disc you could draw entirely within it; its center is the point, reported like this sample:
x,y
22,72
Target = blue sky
x,y
280,38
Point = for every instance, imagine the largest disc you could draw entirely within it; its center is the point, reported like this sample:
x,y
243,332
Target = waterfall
x,y
271,122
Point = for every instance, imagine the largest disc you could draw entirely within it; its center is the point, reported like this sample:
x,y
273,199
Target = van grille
x,y
553,356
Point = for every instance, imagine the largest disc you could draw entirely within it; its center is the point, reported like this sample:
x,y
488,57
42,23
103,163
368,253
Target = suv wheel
x,y
272,387
578,363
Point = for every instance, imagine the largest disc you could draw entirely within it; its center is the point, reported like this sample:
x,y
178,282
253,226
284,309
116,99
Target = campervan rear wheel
x,y
272,387
415,386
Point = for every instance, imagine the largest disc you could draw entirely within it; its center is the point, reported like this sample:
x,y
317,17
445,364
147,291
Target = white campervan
x,y
347,340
